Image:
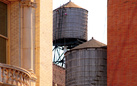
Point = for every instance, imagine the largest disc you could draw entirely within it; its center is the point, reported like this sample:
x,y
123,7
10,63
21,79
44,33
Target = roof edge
x,y
70,2
103,47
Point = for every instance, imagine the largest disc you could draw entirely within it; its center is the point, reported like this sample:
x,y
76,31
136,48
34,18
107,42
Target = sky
x,y
97,17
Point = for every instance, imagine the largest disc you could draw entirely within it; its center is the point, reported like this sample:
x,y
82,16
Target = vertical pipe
x,y
8,41
20,34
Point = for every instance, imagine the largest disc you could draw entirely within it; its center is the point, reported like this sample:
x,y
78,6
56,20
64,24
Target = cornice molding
x,y
8,1
28,3
5,1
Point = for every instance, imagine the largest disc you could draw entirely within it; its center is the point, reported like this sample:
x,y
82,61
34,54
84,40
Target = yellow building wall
x,y
14,33
43,39
43,43
37,43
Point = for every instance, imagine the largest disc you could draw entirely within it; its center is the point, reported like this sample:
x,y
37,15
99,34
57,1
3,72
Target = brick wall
x,y
122,43
14,33
58,75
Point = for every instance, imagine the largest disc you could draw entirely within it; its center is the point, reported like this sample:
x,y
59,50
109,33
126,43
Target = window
x,y
3,31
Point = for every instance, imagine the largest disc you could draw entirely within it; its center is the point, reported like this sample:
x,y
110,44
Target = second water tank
x,y
86,64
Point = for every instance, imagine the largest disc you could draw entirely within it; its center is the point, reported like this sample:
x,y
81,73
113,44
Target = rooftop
x,y
71,4
90,44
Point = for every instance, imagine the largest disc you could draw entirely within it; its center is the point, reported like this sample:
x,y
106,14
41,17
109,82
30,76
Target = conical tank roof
x,y
71,4
90,44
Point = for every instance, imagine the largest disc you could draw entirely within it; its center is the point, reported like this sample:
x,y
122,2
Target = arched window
x,y
3,31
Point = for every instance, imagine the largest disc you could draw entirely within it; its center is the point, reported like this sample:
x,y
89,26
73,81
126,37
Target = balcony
x,y
15,76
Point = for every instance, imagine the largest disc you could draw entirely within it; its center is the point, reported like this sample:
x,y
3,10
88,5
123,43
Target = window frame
x,y
7,37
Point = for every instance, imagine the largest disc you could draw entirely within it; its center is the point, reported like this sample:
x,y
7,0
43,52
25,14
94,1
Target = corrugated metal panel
x,y
86,67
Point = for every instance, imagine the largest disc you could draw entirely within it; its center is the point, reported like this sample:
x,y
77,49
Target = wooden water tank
x,y
86,64
69,25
